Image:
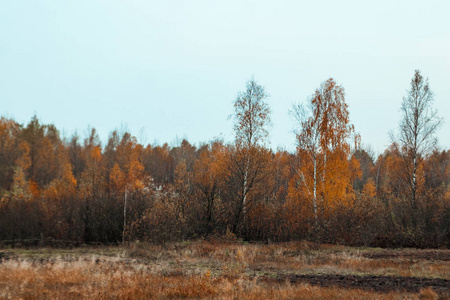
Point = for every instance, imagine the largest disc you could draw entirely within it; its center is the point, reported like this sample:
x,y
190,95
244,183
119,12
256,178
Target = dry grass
x,y
211,270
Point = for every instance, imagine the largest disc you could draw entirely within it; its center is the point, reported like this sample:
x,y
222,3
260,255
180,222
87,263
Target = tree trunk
x,y
316,218
124,216
414,189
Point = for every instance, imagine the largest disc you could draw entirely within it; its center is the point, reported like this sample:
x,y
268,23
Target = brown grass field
x,y
221,269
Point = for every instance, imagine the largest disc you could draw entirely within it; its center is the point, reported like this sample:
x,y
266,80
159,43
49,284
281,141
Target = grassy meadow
x,y
223,269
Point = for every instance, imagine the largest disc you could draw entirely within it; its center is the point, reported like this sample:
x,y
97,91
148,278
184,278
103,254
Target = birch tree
x,y
308,147
323,131
252,119
418,127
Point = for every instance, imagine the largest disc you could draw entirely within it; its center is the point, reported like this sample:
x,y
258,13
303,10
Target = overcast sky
x,y
168,69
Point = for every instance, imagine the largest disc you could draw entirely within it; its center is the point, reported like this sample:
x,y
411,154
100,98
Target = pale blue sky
x,y
174,67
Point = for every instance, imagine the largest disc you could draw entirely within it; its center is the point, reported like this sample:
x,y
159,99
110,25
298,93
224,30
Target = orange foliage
x,y
21,187
23,161
62,187
96,154
324,175
369,189
117,179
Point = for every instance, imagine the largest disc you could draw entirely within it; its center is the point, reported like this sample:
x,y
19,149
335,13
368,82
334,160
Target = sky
x,y
167,70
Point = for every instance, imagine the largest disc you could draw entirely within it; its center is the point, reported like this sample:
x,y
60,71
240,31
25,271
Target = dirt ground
x,y
382,283
437,255
370,282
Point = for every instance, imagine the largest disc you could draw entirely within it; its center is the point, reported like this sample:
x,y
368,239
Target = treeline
x,y
329,190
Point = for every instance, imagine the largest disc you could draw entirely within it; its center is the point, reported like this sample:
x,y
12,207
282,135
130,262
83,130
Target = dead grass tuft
x,y
428,293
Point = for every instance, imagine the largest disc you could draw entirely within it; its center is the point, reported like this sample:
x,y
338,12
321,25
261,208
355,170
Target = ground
x,y
223,269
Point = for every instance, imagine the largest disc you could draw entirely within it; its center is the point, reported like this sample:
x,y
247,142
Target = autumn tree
x,y
209,171
389,185
366,162
323,131
393,189
45,147
60,210
92,176
110,156
19,214
436,203
91,185
184,157
267,218
10,151
418,127
159,164
251,122
129,160
76,156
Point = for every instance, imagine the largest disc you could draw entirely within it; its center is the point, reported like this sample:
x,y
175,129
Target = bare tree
x,y
308,139
417,130
252,118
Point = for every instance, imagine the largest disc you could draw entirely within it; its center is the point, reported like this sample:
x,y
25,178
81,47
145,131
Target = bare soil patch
x,y
373,283
441,255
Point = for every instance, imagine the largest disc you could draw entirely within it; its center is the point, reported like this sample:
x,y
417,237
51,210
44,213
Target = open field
x,y
220,269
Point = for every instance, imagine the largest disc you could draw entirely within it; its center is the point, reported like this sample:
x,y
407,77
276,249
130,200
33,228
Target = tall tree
x,y
418,126
91,184
323,132
252,116
252,119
